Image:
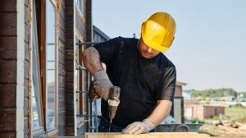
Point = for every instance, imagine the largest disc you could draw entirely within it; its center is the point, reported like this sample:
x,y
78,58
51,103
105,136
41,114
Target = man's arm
x,y
91,60
102,84
160,112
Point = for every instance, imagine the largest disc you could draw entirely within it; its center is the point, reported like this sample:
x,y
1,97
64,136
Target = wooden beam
x,y
148,135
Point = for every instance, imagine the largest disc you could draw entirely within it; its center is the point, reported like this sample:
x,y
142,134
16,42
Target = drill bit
x,y
110,125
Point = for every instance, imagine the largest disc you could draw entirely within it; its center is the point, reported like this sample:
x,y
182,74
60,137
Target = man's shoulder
x,y
166,61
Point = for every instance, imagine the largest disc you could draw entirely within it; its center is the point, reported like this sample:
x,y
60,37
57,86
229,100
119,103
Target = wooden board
x,y
148,135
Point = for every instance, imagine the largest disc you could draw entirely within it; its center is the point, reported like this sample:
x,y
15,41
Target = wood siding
x,y
8,69
71,25
69,84
61,70
26,73
89,21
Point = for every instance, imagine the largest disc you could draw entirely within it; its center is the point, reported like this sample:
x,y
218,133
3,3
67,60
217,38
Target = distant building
x,y
178,91
186,95
228,98
178,103
195,110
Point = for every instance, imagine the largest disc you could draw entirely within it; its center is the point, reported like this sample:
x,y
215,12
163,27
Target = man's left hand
x,y
139,127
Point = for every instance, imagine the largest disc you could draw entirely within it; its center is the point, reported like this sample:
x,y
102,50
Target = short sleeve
x,y
168,84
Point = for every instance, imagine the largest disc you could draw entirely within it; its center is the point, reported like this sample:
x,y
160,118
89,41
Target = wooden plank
x,y
61,129
61,104
9,69
69,22
25,88
26,33
68,10
69,121
69,77
8,5
69,66
26,72
27,53
8,47
8,135
8,24
26,129
61,117
69,131
148,135
69,58
61,94
62,36
8,120
26,14
26,106
61,58
61,83
69,44
69,109
7,95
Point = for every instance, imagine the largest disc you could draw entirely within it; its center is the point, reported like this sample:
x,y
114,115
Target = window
x,y
36,87
44,67
50,65
80,4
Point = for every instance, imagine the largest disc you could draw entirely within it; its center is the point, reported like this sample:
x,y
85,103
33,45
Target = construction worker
x,y
147,78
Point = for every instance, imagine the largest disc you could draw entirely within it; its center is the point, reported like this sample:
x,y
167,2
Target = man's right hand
x,y
102,84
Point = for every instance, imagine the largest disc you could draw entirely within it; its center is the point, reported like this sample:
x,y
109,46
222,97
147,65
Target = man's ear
x,y
104,66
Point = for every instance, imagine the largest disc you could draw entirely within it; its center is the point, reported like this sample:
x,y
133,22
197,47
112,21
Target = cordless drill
x,y
113,100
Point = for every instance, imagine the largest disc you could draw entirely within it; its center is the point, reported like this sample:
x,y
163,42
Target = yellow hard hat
x,y
158,31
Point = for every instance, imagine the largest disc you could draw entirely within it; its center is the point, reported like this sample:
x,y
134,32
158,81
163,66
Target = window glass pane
x,y
50,64
36,91
35,112
50,50
80,6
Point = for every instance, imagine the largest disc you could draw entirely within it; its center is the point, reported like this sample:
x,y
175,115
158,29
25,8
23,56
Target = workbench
x,y
147,135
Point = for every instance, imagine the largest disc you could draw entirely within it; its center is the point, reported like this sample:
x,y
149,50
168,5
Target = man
x,y
147,78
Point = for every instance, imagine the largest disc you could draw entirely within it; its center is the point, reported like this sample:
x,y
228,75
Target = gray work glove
x,y
139,127
102,84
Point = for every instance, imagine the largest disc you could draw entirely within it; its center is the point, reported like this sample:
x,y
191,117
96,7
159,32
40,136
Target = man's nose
x,y
149,49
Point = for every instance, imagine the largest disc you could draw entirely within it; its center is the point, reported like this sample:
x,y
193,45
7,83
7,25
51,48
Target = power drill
x,y
113,100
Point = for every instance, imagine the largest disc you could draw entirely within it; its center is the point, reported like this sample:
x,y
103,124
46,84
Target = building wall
x,y
178,110
8,66
210,111
78,30
69,68
61,69
11,122
178,91
199,111
178,88
194,111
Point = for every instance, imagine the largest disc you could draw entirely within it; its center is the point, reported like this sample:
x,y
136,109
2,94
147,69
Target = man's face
x,y
146,51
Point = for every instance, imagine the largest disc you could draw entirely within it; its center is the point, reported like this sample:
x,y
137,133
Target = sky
x,y
209,50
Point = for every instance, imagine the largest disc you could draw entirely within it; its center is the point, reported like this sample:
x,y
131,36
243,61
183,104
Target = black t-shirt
x,y
142,81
